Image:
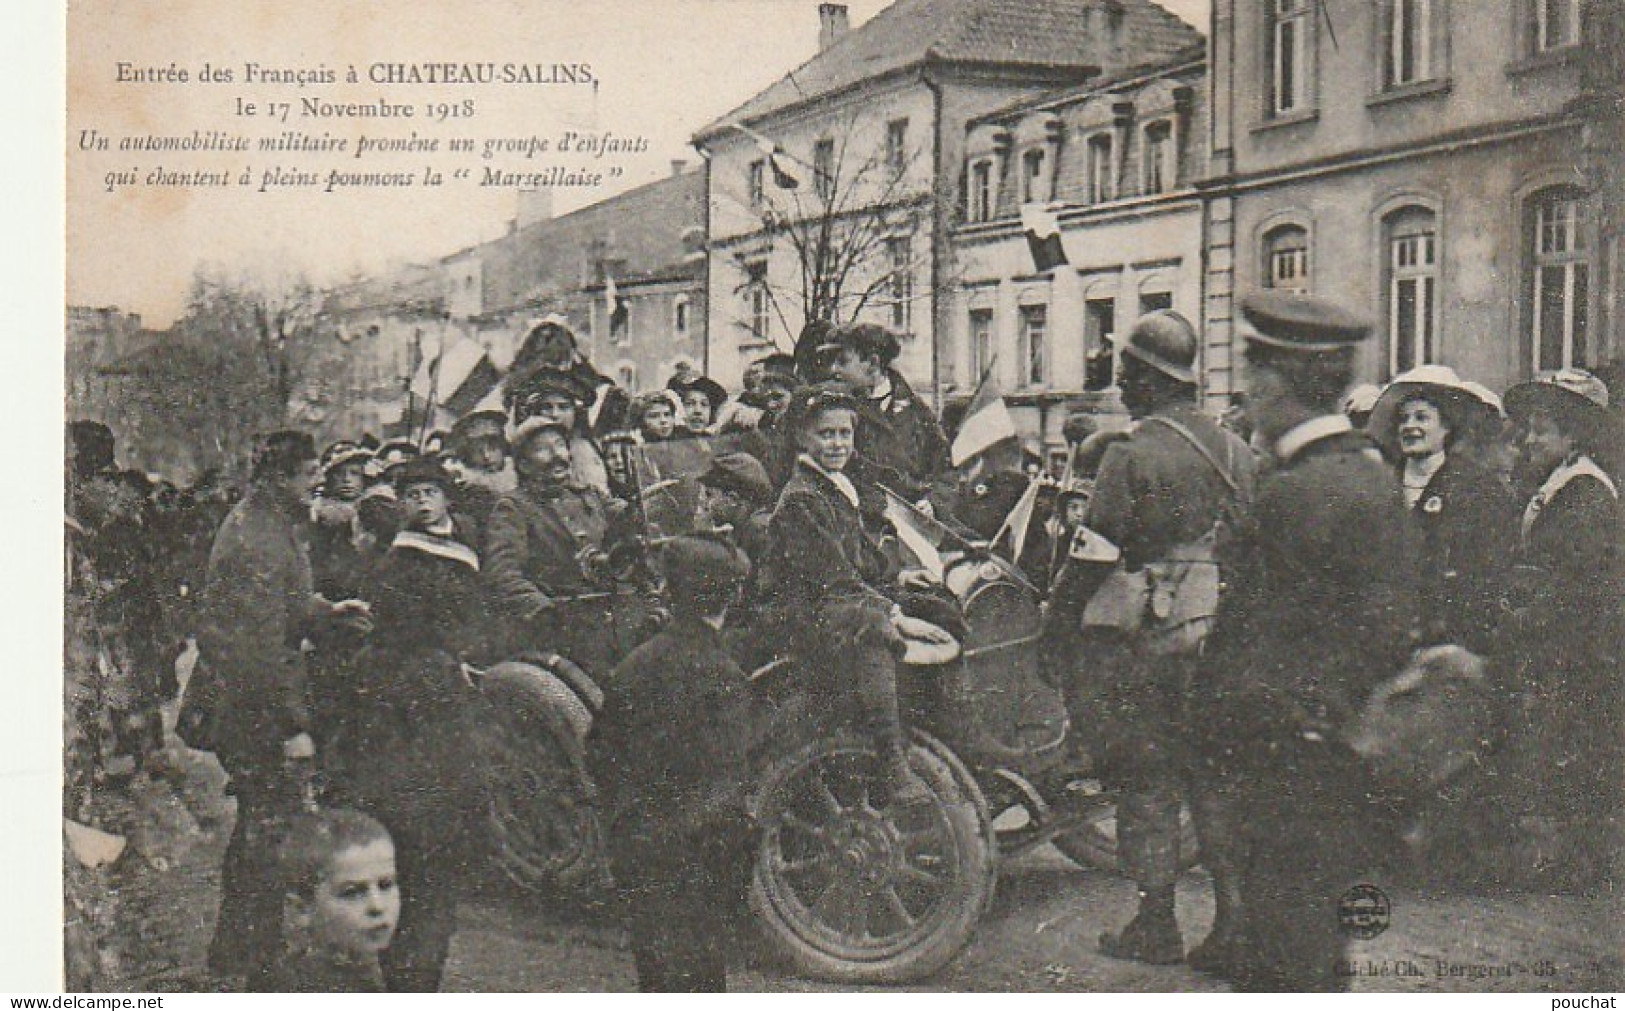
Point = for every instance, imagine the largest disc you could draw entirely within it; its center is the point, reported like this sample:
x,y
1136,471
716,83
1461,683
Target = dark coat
x,y
668,751
1321,607
532,542
828,569
407,761
258,599
1567,750
900,445
1467,520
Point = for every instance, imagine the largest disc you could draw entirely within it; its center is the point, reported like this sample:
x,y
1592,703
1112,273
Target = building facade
x,y
1422,162
1117,163
835,193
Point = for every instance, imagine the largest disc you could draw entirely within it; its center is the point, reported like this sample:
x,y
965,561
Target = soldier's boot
x,y
1152,936
1223,952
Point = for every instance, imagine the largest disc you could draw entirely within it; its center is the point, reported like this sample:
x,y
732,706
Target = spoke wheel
x,y
849,889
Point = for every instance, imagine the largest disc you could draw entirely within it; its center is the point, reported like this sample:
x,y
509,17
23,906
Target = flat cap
x,y
420,470
741,474
1293,322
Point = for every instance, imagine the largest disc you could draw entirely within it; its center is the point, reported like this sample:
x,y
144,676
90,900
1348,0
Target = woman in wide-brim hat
x,y
701,397
1567,744
1427,420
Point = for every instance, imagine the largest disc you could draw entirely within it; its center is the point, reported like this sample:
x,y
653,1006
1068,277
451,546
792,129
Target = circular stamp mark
x,y
1362,912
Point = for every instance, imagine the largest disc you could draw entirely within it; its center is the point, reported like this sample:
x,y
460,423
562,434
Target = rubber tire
x,y
948,928
540,798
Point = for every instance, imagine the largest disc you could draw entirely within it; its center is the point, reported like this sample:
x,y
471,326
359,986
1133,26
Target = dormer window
x,y
1158,166
1034,181
1102,169
979,198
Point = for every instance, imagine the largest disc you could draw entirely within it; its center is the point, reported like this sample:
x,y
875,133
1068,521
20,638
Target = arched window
x,y
1286,258
1558,280
1411,287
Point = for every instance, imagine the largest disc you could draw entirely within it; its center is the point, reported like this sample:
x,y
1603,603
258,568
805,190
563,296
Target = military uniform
x,y
1156,493
1320,611
900,445
533,547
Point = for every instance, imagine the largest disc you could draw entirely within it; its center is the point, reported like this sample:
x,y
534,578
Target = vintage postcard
x,y
779,495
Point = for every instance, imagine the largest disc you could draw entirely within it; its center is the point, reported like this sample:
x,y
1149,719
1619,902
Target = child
x,y
341,904
407,759
679,841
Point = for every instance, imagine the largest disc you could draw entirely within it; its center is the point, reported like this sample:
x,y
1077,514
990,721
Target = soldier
x,y
1320,611
259,601
563,397
1163,496
900,445
547,540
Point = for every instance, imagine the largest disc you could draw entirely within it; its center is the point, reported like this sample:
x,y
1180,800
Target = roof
x,y
1014,33
1189,59
641,230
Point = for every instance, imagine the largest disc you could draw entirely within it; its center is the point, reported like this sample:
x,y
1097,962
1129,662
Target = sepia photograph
x,y
1040,496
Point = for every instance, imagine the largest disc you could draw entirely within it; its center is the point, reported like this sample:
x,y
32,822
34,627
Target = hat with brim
x,y
420,470
341,453
1156,338
1303,324
533,426
1575,397
471,428
741,474
809,401
1461,406
710,387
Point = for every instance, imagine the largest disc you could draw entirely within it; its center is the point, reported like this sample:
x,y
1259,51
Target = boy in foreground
x,y
341,904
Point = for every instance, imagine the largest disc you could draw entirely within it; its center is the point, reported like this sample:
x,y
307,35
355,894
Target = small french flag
x,y
1043,230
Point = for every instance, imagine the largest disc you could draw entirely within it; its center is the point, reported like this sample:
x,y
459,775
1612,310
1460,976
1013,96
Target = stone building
x,y
1117,162
1439,166
871,133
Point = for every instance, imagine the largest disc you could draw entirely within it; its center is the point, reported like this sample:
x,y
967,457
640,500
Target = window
x,y
758,304
679,316
1034,323
824,168
1408,30
1556,24
1560,283
1032,176
757,182
1158,167
1286,258
981,341
1099,328
897,145
1101,169
980,206
1411,287
900,254
1289,40
1155,301
627,377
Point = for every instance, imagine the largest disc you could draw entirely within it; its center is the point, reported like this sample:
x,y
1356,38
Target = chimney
x,y
533,206
832,24
678,166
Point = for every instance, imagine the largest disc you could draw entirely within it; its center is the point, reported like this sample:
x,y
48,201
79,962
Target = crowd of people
x,y
1224,597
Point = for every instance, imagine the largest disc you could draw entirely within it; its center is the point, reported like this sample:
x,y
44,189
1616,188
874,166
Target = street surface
x,y
1039,936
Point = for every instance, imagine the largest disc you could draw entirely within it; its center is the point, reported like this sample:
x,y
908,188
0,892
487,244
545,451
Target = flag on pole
x,y
915,531
1043,230
1015,525
615,305
458,379
783,178
987,421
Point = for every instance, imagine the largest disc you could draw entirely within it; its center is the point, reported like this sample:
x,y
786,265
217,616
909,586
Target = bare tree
x,y
254,330
855,223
